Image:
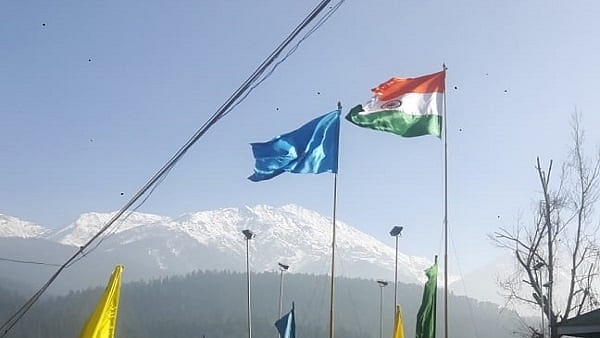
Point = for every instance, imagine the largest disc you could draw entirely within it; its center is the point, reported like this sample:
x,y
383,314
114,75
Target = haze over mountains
x,y
152,245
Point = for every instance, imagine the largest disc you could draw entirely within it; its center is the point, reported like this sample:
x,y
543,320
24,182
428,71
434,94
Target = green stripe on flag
x,y
397,122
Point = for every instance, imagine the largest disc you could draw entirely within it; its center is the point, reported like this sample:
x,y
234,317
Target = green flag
x,y
426,315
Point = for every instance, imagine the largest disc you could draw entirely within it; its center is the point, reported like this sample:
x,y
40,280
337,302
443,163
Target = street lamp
x,y
249,235
282,268
382,284
395,232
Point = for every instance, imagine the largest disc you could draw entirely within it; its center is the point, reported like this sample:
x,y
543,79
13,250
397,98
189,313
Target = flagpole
x,y
332,290
331,300
249,235
445,126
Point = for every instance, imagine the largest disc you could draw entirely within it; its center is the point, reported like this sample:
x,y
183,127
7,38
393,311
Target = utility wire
x,y
159,176
291,51
121,221
26,262
317,25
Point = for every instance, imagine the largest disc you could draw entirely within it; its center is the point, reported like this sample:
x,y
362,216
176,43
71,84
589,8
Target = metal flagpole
x,y
445,126
332,291
331,300
249,235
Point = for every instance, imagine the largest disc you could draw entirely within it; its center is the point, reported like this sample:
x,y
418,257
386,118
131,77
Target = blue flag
x,y
312,148
286,325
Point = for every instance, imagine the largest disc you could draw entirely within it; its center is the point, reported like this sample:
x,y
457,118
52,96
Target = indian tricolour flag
x,y
404,106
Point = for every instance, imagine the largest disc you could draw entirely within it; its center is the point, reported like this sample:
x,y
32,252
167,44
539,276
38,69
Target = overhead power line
x,y
26,262
151,184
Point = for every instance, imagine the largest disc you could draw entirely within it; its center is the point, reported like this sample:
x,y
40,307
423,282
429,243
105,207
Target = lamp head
x,y
283,267
396,230
382,282
249,234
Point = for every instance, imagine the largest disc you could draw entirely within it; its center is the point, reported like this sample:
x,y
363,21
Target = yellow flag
x,y
398,324
103,321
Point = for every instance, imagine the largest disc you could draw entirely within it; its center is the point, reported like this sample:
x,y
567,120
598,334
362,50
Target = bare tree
x,y
560,241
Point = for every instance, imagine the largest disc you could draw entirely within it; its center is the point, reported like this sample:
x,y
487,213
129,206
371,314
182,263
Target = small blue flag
x,y
286,325
312,148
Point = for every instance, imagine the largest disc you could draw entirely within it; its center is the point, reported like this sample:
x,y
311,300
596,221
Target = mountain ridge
x,y
212,239
14,227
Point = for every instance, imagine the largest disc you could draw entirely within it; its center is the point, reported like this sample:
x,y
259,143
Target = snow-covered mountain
x,y
14,227
151,245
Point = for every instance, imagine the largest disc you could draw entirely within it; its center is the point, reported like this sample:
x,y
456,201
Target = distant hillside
x,y
213,305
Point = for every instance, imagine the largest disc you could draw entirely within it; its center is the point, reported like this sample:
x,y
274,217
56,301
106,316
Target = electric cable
x,y
166,168
317,25
26,262
121,221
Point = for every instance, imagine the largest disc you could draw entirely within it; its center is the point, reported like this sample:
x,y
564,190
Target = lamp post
x,y
282,268
382,284
249,235
396,232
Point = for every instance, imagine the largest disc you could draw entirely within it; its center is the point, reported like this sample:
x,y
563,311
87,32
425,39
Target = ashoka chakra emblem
x,y
392,104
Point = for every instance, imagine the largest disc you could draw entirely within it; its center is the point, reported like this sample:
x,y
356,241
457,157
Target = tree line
x,y
211,304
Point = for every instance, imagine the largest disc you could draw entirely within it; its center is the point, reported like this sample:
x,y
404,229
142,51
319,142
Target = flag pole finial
x,y
339,105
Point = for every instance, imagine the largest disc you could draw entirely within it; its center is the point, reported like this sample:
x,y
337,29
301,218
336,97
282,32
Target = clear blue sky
x,y
95,96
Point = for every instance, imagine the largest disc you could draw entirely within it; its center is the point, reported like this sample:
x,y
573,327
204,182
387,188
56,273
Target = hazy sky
x,y
95,96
